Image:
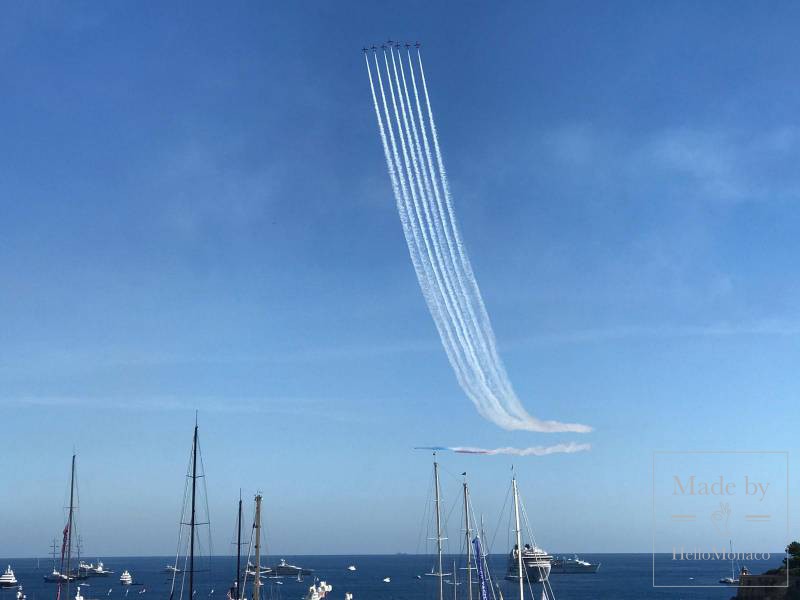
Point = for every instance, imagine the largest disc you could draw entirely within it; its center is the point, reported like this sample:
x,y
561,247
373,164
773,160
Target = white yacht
x,y
92,570
351,568
536,561
125,578
573,565
7,579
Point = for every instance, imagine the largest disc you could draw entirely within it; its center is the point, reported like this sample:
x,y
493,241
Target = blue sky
x,y
196,215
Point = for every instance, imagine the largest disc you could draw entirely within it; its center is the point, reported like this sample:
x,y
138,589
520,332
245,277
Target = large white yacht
x,y
536,561
7,579
126,578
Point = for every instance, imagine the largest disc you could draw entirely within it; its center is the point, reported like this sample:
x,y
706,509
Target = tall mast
x,y
455,581
239,549
192,522
440,574
468,544
519,538
257,526
69,522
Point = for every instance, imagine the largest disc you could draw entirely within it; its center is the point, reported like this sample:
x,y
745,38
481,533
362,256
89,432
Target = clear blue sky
x,y
196,214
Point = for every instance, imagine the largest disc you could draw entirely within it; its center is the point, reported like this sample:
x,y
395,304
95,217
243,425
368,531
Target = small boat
x,y
387,580
318,591
90,570
572,565
171,569
20,594
351,568
126,578
78,595
7,579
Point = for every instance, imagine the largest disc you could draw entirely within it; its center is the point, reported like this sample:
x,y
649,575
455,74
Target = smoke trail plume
x,y
416,170
569,448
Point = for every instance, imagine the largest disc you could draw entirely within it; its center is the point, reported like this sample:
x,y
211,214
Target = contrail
x,y
419,182
569,448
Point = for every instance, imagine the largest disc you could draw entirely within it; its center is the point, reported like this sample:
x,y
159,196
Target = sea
x,y
621,577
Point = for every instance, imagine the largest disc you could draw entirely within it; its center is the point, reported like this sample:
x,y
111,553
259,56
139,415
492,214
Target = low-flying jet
x,y
374,48
417,45
364,49
389,42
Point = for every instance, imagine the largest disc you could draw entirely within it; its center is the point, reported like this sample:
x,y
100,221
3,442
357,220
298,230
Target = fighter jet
x,y
389,42
364,49
417,45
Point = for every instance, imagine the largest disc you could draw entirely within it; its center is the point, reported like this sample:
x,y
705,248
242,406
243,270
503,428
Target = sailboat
x,y
235,591
65,573
529,563
438,570
732,580
190,543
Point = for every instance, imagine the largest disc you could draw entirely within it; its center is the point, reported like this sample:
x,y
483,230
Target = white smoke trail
x,y
438,254
569,448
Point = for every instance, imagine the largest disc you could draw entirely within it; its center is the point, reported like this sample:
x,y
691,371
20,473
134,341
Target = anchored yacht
x,y
573,565
7,579
537,563
284,568
125,578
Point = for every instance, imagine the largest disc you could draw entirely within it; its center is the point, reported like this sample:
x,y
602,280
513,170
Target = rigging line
x,y
500,516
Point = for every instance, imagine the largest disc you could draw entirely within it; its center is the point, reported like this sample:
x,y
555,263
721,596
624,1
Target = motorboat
x,y
126,578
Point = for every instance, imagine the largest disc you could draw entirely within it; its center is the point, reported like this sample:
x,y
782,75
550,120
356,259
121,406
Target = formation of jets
x,y
392,44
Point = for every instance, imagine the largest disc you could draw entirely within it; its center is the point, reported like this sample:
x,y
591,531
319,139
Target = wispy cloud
x,y
276,406
713,165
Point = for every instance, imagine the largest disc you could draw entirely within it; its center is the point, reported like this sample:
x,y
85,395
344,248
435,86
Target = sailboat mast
x,y
455,581
438,526
239,549
469,546
257,526
192,522
69,522
519,538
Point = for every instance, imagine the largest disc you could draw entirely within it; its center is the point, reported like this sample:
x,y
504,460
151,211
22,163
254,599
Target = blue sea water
x,y
621,577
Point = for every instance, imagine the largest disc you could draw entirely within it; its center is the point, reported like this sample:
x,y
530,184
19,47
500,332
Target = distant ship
x,y
126,578
283,568
7,579
171,569
572,565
